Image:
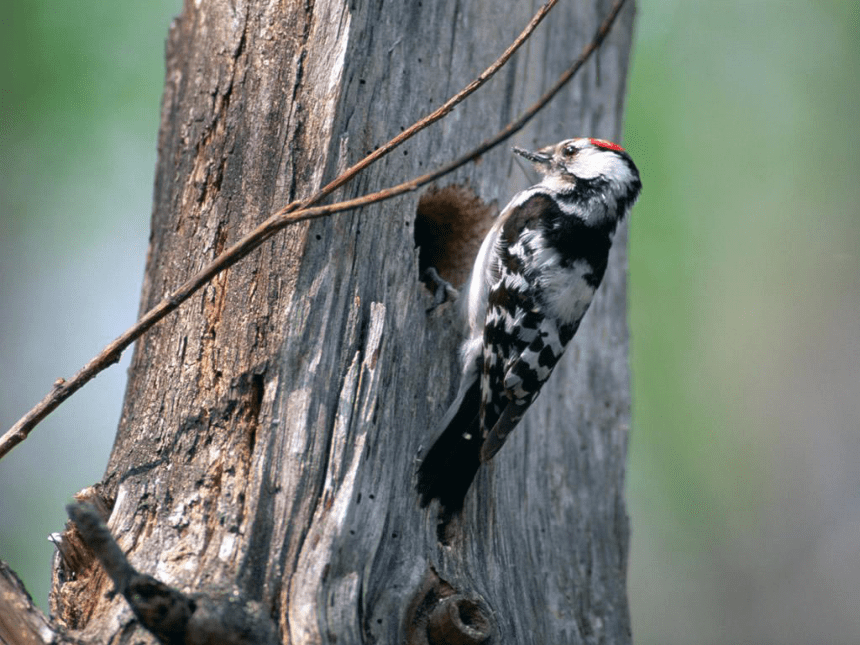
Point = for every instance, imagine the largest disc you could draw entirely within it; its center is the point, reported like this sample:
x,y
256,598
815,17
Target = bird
x,y
531,284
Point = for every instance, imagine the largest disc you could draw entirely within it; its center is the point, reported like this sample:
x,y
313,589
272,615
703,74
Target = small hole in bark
x,y
471,615
450,224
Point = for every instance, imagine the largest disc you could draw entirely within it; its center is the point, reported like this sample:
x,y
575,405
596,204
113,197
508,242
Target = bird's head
x,y
566,164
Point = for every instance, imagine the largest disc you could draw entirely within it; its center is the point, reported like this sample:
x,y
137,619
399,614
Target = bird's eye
x,y
569,151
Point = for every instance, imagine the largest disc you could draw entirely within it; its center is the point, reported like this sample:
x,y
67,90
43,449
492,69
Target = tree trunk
x,y
272,427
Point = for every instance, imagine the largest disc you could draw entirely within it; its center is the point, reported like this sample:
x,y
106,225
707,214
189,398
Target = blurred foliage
x,y
744,266
75,75
79,113
745,300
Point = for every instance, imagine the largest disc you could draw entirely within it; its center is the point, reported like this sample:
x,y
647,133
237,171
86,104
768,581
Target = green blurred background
x,y
744,480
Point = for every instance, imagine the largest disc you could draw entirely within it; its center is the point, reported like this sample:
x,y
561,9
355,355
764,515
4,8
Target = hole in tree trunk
x,y
450,225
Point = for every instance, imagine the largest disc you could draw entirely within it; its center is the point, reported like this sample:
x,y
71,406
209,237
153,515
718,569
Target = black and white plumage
x,y
531,284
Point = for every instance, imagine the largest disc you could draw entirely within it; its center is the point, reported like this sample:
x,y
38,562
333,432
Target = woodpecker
x,y
532,282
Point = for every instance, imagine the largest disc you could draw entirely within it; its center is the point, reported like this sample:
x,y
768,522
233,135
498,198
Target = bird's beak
x,y
534,157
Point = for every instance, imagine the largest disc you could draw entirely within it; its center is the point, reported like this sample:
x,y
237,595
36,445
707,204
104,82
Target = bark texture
x,y
271,428
21,622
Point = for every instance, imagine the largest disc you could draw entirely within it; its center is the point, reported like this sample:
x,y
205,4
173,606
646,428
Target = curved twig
x,y
431,118
301,211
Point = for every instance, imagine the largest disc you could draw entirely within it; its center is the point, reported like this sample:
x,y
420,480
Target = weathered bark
x,y
21,622
271,428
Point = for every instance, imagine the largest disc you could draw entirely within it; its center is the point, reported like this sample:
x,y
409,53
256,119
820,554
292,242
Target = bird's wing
x,y
514,388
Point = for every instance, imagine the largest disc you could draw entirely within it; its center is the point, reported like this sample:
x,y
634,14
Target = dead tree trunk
x,y
271,428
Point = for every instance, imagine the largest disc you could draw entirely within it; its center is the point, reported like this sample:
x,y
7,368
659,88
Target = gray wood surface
x,y
271,428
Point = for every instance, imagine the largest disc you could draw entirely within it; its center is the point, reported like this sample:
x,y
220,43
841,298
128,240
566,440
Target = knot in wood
x,y
458,621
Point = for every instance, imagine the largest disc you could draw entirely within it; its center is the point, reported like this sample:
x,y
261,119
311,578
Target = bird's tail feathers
x,y
450,465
